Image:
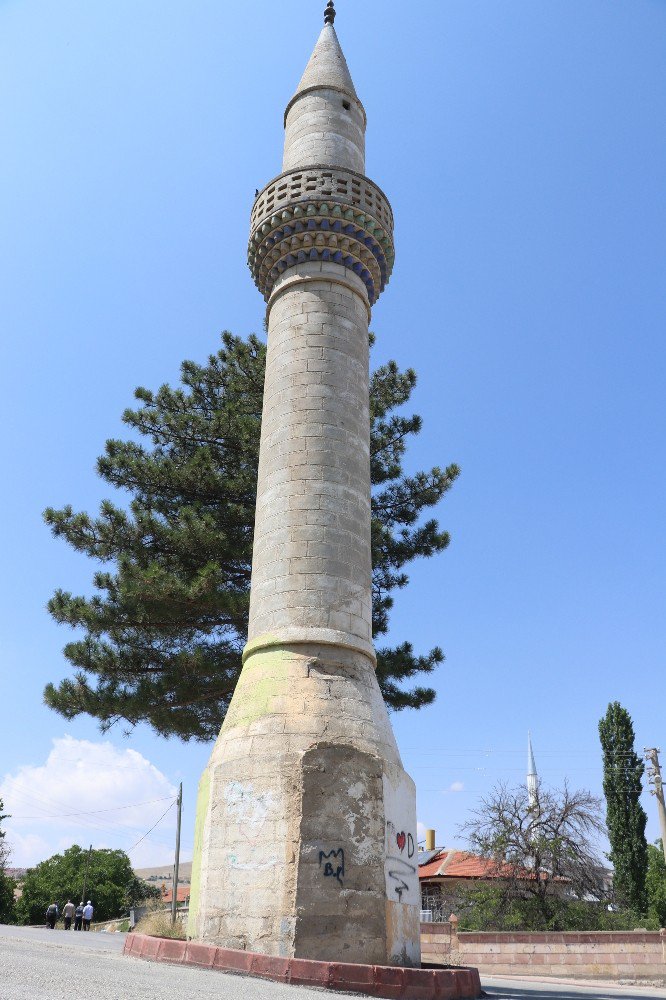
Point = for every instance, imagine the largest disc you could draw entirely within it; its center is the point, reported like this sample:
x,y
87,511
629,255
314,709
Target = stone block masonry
x,y
590,955
305,841
316,852
311,561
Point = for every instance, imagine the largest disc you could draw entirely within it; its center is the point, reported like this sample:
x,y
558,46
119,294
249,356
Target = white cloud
x,y
87,793
457,786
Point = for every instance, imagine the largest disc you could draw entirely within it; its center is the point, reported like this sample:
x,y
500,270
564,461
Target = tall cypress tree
x,y
625,816
164,631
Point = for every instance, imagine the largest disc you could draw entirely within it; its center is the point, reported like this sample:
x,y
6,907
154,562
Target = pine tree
x,y
164,631
625,816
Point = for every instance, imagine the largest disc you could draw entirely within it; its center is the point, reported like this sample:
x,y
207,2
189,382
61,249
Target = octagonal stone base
x,y
305,844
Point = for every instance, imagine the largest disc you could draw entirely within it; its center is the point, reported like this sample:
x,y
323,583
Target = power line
x,y
140,841
109,766
86,823
94,812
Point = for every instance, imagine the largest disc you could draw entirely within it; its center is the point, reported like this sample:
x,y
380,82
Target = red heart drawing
x,y
402,840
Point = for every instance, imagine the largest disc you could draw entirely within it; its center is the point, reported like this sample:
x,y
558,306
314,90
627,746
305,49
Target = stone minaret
x,y
305,841
532,777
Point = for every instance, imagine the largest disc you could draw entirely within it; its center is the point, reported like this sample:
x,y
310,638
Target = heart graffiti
x,y
401,840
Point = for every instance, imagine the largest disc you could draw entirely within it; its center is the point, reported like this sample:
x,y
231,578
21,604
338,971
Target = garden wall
x,y
598,955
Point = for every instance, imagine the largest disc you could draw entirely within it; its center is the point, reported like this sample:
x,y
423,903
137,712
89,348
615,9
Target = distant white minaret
x,y
532,778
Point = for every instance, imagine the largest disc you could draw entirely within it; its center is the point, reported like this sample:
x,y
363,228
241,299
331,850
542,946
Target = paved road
x,y
38,964
521,989
77,940
56,965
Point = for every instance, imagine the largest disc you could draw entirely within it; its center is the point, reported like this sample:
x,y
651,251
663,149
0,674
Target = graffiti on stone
x,y
398,870
334,864
400,862
405,840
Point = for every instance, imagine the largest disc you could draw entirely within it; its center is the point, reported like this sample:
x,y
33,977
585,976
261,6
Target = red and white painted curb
x,y
392,982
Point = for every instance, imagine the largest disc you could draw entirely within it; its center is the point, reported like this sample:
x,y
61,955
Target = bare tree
x,y
539,857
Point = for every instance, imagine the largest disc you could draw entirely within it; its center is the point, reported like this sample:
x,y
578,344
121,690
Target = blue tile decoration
x,y
369,254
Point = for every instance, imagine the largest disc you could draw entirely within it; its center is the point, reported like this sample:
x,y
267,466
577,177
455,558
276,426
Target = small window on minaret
x,y
346,105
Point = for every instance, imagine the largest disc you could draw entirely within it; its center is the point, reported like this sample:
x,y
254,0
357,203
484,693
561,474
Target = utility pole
x,y
85,877
654,777
174,897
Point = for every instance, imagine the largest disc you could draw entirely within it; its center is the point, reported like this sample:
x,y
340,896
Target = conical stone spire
x,y
325,121
328,66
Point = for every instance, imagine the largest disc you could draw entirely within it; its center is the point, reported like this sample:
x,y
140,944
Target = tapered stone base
x,y
305,843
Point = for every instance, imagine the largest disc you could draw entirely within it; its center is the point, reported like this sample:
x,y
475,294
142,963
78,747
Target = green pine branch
x,y
161,635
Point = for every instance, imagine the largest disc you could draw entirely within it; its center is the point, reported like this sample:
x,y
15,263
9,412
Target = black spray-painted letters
x,y
333,868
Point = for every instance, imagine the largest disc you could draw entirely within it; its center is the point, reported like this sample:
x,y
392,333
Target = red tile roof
x,y
183,894
434,866
462,864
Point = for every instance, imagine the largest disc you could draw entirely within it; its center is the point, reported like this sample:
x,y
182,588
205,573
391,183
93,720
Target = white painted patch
x,y
365,848
400,850
252,866
248,808
357,790
401,868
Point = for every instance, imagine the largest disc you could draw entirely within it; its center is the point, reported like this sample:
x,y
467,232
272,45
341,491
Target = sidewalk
x,y
597,985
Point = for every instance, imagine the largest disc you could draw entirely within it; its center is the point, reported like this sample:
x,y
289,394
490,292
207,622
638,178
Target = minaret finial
x,y
329,13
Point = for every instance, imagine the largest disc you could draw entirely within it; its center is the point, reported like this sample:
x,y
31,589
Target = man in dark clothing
x,y
78,917
52,915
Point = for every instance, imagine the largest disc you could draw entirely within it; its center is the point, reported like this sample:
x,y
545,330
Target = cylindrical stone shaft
x,y
326,128
311,567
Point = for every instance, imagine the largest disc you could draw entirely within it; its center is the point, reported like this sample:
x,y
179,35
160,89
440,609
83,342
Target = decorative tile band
x,y
322,214
321,231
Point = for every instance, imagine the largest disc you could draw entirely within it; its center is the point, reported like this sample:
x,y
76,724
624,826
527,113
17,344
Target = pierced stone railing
x,y
323,183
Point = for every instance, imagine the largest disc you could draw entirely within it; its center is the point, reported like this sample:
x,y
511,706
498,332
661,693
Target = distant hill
x,y
18,874
164,873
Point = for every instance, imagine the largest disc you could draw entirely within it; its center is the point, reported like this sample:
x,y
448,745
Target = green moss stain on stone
x,y
203,799
262,680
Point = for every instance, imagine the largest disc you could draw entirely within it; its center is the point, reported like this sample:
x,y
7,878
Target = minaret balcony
x,y
322,213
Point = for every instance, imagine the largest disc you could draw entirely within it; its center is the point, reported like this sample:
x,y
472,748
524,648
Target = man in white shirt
x,y
87,915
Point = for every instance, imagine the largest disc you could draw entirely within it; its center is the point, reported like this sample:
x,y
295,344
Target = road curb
x,y
390,982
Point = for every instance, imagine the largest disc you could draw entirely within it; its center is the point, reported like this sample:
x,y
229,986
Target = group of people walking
x,y
81,915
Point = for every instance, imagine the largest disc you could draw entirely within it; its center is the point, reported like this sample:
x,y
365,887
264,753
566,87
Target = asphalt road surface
x,y
58,965
39,964
77,940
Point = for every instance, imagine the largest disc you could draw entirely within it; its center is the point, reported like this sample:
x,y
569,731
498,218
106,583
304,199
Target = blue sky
x,y
523,148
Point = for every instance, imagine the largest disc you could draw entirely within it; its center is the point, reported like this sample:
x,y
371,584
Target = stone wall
x,y
602,954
